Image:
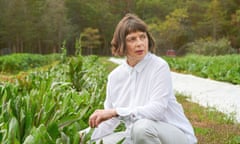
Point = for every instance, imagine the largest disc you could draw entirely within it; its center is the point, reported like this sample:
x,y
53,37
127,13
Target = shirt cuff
x,y
126,115
123,112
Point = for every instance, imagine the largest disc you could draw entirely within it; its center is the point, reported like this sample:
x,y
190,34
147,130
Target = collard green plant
x,y
223,68
15,63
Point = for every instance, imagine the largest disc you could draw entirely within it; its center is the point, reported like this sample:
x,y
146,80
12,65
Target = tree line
x,y
42,26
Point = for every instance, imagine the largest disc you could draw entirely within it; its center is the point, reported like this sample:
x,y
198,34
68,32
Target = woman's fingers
x,y
91,121
95,119
100,115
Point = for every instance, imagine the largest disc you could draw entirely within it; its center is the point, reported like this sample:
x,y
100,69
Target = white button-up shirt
x,y
143,91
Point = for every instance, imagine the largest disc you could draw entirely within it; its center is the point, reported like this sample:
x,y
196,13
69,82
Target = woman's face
x,y
136,46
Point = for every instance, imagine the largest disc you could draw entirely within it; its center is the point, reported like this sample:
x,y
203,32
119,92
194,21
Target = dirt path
x,y
224,97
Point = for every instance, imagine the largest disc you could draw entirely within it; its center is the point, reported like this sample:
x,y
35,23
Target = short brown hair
x,y
129,23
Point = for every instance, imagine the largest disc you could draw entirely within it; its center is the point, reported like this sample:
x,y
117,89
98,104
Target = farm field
x,y
55,60
51,104
221,68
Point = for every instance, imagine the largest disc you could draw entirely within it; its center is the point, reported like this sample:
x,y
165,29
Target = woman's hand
x,y
101,115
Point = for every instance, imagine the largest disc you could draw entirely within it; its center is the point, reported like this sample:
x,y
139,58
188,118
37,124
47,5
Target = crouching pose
x,y
140,93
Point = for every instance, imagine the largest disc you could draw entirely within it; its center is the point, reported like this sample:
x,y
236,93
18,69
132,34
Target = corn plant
x,y
52,106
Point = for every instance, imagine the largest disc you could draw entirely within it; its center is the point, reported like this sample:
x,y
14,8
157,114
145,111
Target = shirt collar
x,y
140,65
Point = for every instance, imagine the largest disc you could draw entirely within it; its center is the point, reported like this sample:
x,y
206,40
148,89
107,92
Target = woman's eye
x,y
142,37
132,39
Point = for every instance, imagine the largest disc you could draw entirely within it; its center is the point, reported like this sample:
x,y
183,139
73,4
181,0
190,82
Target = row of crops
x,y
222,68
21,62
51,106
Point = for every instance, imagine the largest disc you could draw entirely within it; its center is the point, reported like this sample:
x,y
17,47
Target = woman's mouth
x,y
139,52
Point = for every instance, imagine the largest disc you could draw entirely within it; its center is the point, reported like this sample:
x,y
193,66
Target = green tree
x,y
40,26
215,18
57,23
100,14
14,24
33,26
196,11
174,31
235,23
90,39
147,9
36,27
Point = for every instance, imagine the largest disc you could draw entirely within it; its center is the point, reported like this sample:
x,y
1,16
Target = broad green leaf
x,y
13,132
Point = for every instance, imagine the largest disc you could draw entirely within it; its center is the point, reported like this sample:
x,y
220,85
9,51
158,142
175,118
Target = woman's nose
x,y
139,41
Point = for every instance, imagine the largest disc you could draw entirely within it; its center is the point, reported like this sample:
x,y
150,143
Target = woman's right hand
x,y
101,115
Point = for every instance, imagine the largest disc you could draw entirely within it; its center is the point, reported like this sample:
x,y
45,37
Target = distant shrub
x,y
210,47
22,61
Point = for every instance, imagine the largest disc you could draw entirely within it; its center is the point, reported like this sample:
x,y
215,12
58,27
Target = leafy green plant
x,y
223,68
23,61
49,106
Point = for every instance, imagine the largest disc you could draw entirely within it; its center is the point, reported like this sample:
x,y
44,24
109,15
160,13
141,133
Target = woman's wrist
x,y
114,113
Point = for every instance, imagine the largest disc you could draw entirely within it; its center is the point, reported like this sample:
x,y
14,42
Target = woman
x,y
140,93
